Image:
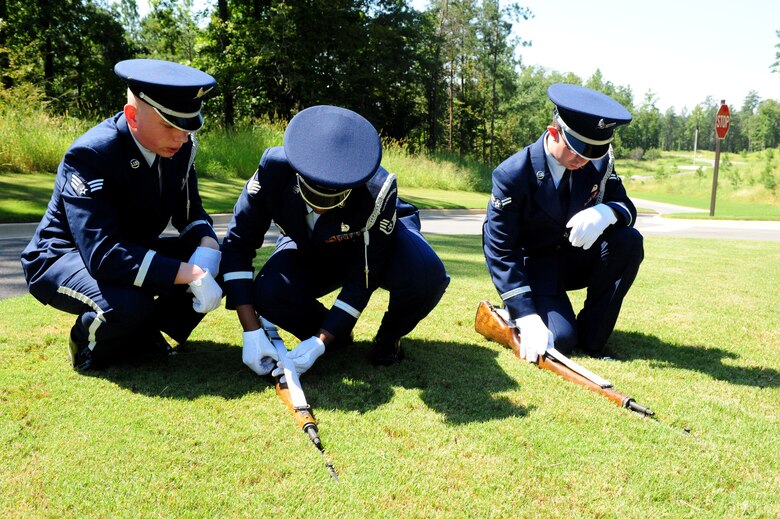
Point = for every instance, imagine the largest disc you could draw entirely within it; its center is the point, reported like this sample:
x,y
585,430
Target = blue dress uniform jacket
x,y
108,207
525,234
358,233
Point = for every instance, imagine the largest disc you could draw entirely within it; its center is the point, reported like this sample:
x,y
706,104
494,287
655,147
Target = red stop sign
x,y
722,121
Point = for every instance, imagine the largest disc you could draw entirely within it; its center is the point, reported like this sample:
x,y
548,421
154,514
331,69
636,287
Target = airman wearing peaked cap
x,y
98,252
332,150
342,226
588,118
175,91
559,219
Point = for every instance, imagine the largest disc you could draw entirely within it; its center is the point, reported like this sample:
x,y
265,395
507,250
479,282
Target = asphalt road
x,y
14,237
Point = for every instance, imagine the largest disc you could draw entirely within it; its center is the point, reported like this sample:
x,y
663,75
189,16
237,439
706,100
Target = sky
x,y
680,50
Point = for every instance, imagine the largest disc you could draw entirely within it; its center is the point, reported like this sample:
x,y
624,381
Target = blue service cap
x,y
332,147
175,91
588,118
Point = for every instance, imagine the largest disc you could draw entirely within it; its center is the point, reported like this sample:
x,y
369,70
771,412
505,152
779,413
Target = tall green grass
x,y
235,154
438,170
32,139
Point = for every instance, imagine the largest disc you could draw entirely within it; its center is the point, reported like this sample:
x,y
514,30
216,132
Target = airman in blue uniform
x,y
342,226
98,252
559,219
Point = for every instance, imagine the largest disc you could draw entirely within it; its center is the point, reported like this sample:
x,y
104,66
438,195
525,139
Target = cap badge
x,y
603,126
539,175
344,227
202,92
134,163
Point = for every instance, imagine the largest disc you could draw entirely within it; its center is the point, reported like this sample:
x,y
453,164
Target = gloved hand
x,y
258,352
535,338
302,357
588,224
206,294
207,259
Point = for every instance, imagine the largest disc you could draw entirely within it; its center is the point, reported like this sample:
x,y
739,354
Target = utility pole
x,y
696,139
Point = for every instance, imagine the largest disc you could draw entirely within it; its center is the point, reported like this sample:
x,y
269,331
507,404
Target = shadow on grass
x,y
459,381
633,345
202,368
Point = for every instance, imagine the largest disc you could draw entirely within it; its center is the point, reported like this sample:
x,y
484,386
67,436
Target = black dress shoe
x,y
341,342
385,352
80,356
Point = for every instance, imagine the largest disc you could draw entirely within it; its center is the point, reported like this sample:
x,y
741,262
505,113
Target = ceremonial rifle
x,y
491,324
288,387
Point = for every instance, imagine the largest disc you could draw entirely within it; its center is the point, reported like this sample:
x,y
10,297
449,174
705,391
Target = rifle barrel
x,y
631,404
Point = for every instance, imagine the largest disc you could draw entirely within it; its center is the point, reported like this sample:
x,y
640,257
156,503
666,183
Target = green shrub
x,y
767,177
661,173
636,154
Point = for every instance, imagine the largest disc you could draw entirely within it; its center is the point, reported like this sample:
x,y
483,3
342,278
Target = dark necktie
x,y
563,191
157,170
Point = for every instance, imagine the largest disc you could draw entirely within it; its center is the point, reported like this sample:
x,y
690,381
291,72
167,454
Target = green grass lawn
x,y
460,429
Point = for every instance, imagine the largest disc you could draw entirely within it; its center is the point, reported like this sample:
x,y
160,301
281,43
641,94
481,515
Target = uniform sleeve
x,y
245,234
366,265
94,223
501,234
615,196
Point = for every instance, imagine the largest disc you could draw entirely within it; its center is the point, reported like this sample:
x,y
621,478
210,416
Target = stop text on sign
x,y
722,121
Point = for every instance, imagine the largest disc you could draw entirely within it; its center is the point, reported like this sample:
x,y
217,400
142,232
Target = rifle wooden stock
x,y
492,326
303,417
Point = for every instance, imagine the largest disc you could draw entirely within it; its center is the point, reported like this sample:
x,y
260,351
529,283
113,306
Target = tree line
x,y
449,77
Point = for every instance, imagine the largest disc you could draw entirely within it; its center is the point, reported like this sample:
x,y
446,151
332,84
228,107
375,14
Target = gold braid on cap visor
x,y
318,199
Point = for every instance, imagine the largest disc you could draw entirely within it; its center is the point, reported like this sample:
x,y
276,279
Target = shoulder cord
x,y
610,167
189,167
380,201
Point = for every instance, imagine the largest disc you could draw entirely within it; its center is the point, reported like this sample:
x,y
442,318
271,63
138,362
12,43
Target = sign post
x,y
722,124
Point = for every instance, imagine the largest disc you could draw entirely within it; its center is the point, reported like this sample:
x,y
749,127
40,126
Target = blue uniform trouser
x,y
121,321
607,270
288,285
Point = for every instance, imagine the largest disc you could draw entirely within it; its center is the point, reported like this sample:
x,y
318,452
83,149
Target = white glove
x,y
207,259
302,357
535,338
588,224
206,294
258,352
